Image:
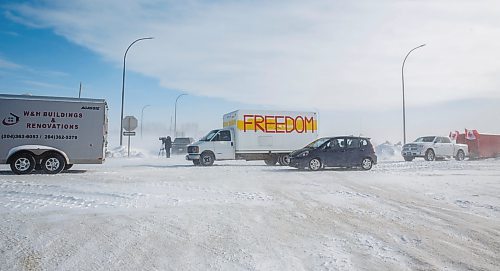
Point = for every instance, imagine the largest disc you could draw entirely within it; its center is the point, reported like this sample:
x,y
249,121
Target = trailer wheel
x,y
315,164
460,155
53,163
429,155
207,159
23,163
271,160
284,160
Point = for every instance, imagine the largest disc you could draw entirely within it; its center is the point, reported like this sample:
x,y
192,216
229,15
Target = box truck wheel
x,y
53,163
207,159
271,160
284,160
22,163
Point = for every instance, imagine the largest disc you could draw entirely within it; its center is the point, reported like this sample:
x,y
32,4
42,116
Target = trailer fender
x,y
37,150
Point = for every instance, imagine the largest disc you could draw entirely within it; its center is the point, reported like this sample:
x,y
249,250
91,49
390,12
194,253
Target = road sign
x,y
129,133
129,123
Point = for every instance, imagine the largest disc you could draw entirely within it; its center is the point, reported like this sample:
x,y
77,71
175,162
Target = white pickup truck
x,y
434,147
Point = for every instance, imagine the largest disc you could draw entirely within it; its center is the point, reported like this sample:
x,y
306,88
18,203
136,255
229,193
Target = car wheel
x,y
366,163
284,160
460,155
271,160
196,162
409,158
53,163
23,163
315,164
207,159
429,155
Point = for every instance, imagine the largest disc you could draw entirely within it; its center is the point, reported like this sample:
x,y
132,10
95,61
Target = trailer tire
x,y
284,160
22,163
53,163
460,155
207,159
271,160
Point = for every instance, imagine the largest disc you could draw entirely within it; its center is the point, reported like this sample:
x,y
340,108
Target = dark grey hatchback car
x,y
342,151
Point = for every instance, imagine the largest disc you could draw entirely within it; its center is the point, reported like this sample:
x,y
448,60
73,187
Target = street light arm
x,y
123,84
403,84
175,114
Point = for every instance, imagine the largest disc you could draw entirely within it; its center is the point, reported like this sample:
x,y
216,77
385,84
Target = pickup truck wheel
x,y
366,164
196,162
408,158
284,160
207,159
429,155
315,164
53,163
460,155
23,163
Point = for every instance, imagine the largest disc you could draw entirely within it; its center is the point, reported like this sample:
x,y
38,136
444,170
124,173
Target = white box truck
x,y
51,133
256,135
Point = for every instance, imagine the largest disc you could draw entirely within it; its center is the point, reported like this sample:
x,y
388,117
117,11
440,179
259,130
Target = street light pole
x,y
403,81
123,85
142,114
175,114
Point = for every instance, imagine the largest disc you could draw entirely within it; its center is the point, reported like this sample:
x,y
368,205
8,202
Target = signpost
x,y
129,125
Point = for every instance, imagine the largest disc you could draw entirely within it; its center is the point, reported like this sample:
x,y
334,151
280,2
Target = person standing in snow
x,y
168,146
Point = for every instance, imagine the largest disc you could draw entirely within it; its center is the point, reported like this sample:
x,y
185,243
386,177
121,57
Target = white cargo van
x,y
51,133
256,135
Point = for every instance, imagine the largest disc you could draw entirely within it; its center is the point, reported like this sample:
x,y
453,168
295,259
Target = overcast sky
x,y
341,58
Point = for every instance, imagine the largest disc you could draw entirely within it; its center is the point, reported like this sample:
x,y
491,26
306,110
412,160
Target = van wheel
x,y
367,164
284,160
429,155
460,155
53,163
271,160
23,163
196,162
315,164
207,159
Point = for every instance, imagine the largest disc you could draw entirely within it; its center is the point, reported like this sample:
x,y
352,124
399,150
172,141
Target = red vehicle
x,y
480,145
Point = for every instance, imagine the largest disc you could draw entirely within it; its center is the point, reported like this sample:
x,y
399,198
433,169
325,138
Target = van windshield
x,y
317,143
209,136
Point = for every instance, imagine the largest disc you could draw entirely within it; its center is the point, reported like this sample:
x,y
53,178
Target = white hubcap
x,y
52,164
22,164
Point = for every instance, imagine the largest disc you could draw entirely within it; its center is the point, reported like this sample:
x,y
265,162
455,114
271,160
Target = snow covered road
x,y
158,214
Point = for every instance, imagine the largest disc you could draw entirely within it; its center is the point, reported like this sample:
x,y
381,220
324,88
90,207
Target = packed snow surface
x,y
166,214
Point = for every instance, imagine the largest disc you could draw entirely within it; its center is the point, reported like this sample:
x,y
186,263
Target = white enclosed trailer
x,y
51,133
256,135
